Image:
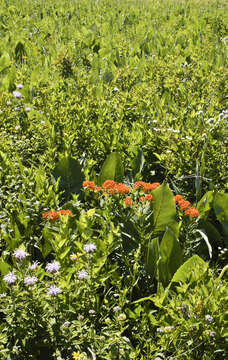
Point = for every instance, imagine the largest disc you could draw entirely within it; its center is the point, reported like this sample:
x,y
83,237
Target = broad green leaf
x,y
221,211
170,257
164,207
71,175
4,267
205,204
137,163
191,270
4,61
152,257
112,169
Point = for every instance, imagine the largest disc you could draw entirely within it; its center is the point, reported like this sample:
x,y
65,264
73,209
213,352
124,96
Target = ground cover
x,y
113,197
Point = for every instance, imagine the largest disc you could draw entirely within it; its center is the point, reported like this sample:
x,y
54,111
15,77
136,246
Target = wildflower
x,y
160,330
54,290
116,308
19,86
192,212
66,324
27,108
52,267
139,184
20,254
209,318
76,355
184,204
17,94
109,184
75,257
142,198
122,188
168,328
89,248
30,280
150,187
92,312
149,197
83,275
10,278
128,201
2,295
34,265
178,198
122,317
65,212
89,185
50,215
9,102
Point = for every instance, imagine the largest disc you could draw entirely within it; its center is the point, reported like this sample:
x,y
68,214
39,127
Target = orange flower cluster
x,y
186,206
148,197
91,185
54,215
146,187
128,201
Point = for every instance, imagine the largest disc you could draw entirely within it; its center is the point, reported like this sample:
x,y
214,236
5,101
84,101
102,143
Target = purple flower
x,y
20,254
30,280
83,275
27,109
9,102
89,248
52,267
10,278
19,86
2,295
54,290
34,265
17,94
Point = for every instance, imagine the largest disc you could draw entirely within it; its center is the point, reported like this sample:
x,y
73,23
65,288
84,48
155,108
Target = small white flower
x,y
10,278
52,267
89,247
83,275
54,290
30,280
209,318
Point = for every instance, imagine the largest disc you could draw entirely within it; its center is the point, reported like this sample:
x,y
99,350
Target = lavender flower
x,y
17,94
20,254
89,247
66,324
52,267
54,290
10,278
30,280
2,295
34,265
83,275
19,86
27,108
209,318
9,102
116,308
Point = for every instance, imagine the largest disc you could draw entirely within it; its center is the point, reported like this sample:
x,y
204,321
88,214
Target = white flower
x,y
20,254
54,290
89,247
83,275
52,267
10,278
30,280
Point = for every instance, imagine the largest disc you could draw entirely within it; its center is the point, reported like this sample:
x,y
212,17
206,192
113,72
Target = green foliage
x,y
112,169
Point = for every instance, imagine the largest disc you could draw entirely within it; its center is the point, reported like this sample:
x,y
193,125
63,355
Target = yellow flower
x,y
76,355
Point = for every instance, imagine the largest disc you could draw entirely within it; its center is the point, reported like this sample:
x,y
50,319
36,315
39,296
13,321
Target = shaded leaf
x,y
112,169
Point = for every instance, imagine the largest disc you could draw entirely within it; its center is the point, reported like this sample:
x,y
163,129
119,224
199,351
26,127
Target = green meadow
x,y
113,180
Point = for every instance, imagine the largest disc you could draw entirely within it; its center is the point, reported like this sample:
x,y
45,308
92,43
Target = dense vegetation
x,y
113,179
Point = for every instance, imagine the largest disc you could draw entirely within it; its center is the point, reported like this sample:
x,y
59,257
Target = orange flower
x,y
50,215
54,215
149,197
178,198
142,198
122,188
139,184
184,204
65,212
128,201
109,184
150,187
97,188
89,185
192,212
